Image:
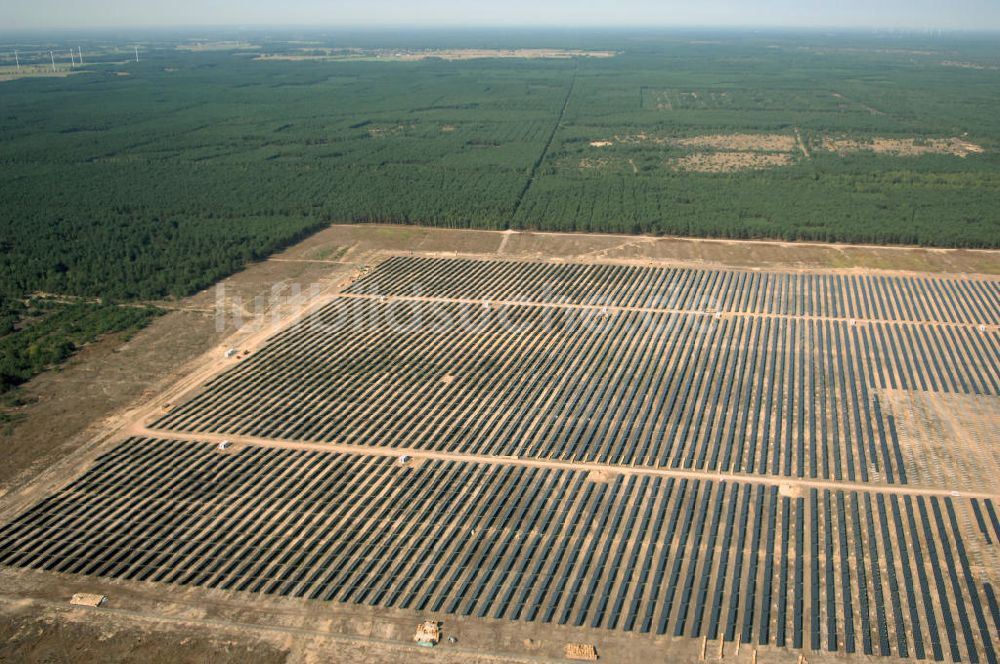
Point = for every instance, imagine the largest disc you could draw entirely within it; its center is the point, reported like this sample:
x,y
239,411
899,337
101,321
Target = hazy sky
x,y
951,14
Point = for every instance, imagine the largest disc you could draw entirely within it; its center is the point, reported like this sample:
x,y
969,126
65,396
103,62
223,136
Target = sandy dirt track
x,y
417,454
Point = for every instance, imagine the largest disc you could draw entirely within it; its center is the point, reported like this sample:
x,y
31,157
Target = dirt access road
x,y
607,469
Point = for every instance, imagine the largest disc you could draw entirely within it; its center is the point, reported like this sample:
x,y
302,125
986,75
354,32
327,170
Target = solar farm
x,y
781,463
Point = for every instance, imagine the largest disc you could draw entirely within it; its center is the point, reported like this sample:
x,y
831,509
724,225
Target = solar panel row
x,y
755,395
627,551
874,297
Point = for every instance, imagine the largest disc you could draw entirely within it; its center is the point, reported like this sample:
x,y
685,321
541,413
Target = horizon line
x,y
762,27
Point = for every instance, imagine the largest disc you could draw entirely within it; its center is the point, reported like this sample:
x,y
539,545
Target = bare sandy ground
x,y
727,153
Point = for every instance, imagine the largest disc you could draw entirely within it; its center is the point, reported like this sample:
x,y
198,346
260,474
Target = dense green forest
x,y
140,180
161,181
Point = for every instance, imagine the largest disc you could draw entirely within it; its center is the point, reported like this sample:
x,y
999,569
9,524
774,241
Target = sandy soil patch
x,y
32,633
712,153
903,147
944,437
732,152
601,476
729,162
791,490
762,142
641,137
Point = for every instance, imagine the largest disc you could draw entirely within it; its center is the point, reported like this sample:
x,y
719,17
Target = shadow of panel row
x,y
874,297
815,569
746,394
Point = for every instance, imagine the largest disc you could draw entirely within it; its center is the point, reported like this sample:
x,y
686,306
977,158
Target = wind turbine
x,y
53,58
137,54
17,61
80,51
